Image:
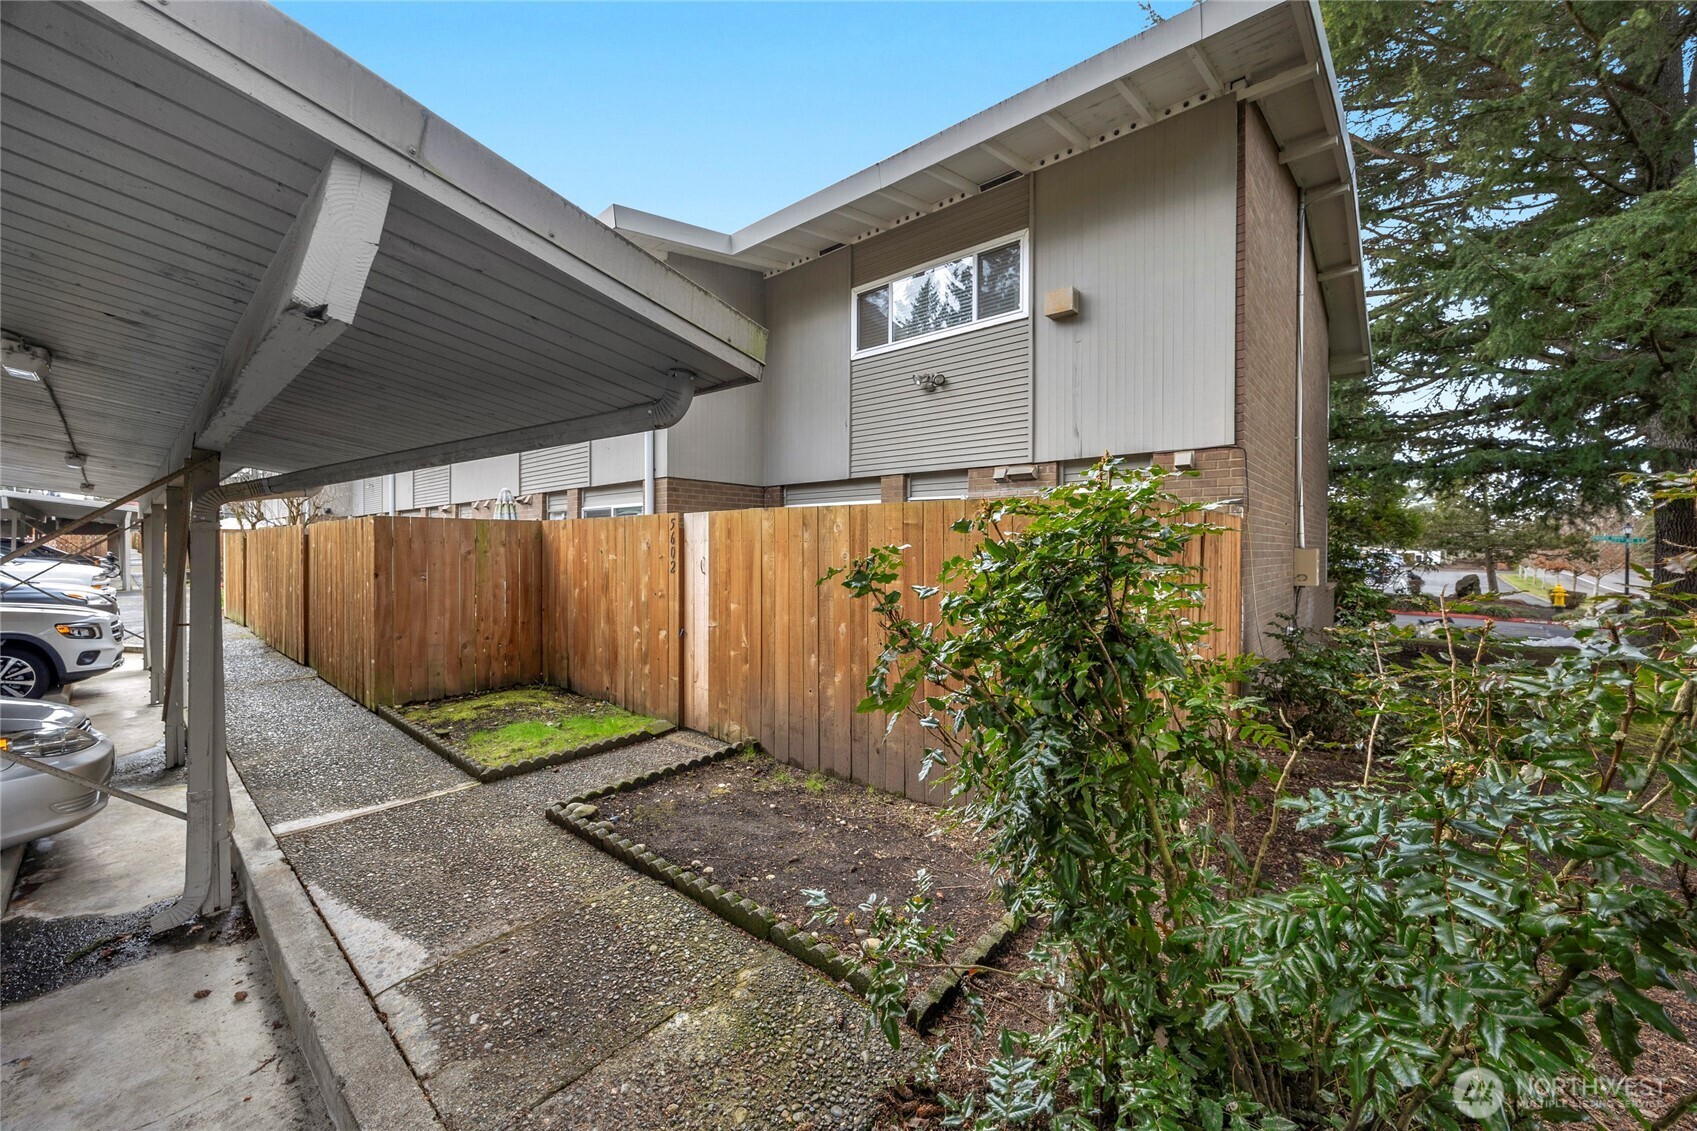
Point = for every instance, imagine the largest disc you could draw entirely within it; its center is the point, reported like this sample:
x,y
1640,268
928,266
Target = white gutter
x,y
1301,350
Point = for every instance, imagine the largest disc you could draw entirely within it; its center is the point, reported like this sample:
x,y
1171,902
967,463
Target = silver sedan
x,y
34,804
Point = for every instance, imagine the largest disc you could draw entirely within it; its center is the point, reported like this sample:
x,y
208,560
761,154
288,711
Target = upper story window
x,y
975,288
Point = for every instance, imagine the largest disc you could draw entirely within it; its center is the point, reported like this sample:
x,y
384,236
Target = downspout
x,y
392,494
648,472
1301,351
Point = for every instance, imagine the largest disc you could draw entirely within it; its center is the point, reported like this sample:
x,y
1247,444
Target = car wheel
x,y
23,675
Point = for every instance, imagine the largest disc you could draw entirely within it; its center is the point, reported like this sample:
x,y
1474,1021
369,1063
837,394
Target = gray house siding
x,y
984,217
479,479
807,372
430,487
719,440
554,469
1144,228
982,415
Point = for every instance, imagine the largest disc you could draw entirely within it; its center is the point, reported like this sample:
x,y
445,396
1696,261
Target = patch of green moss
x,y
518,742
520,723
816,783
470,708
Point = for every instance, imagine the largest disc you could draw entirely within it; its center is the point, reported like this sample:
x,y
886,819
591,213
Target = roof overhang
x,y
1272,52
232,237
48,511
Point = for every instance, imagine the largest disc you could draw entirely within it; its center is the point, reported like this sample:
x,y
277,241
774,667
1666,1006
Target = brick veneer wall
x,y
673,495
1266,401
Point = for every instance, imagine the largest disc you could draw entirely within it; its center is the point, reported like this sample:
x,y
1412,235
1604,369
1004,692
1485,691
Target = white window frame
x,y
613,510
1022,237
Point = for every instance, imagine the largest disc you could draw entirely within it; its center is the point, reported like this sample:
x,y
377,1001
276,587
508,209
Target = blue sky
x,y
714,113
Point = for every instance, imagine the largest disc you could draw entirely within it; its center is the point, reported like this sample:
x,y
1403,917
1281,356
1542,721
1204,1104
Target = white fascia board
x,y
262,54
1167,38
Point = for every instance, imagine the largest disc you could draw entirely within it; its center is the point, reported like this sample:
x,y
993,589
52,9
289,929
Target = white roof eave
x,y
751,246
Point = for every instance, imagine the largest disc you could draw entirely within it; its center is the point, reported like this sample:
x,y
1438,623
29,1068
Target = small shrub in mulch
x,y
518,729
770,832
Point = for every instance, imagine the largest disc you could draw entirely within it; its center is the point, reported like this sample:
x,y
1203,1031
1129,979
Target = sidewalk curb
x,y
361,1074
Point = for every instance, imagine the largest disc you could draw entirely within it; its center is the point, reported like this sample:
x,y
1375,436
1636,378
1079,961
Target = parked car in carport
x,y
34,804
57,593
44,646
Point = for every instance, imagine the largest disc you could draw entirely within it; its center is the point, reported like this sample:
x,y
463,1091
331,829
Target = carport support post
x,y
153,599
207,879
174,640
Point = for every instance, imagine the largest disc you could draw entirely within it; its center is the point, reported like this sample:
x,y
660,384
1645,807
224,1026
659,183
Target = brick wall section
x,y
673,495
1266,404
892,489
1219,475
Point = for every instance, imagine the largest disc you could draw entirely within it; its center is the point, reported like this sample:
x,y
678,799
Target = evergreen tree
x,y
1529,211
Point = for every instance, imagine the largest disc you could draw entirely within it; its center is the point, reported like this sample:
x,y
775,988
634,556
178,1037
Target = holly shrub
x,y
1506,890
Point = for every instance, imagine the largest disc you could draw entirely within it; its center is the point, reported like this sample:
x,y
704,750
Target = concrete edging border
x,y
488,774
360,1072
576,815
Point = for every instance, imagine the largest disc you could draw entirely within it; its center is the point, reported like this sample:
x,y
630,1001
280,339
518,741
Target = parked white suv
x,y
45,646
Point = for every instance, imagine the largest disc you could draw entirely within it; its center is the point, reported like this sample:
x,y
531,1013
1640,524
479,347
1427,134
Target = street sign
x,y
1618,538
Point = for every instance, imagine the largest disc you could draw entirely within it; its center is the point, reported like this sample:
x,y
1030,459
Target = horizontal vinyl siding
x,y
371,492
1145,228
982,415
984,217
623,495
554,469
937,485
828,494
430,487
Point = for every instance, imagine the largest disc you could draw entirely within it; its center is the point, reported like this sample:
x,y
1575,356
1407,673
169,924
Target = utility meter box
x,y
1307,567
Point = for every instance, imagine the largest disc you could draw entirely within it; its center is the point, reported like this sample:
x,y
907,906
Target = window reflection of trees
x,y
939,298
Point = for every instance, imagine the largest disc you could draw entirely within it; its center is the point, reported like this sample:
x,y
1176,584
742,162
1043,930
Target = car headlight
x,y
79,631
48,742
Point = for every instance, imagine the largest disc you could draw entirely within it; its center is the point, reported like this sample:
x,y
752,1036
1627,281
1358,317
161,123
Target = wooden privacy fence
x,y
714,621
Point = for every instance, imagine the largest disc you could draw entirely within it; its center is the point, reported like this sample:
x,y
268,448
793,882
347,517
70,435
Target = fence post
x,y
695,671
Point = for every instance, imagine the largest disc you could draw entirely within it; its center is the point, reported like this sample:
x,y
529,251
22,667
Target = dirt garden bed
x,y
747,836
519,729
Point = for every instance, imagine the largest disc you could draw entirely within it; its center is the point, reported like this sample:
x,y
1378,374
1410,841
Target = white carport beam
x,y
661,413
1307,147
1327,192
953,179
305,300
1055,121
1007,156
860,217
1205,69
905,199
1134,100
1296,76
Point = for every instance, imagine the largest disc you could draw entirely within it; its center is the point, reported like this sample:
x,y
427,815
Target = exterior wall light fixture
x,y
930,382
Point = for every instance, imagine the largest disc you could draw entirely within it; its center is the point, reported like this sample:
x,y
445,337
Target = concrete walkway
x,y
528,979
106,1026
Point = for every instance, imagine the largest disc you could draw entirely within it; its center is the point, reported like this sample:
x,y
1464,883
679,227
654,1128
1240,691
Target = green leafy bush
x,y
1312,687
1510,881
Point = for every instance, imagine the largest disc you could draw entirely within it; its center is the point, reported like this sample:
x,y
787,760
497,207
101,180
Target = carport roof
x,y
182,179
1271,52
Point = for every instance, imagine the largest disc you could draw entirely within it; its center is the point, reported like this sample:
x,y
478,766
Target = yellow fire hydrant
x,y
1558,596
